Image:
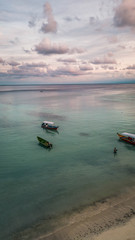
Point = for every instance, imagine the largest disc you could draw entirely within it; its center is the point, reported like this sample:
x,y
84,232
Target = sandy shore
x,y
112,218
124,232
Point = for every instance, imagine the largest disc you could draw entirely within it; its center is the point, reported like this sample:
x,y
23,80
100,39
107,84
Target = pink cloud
x,y
125,14
45,47
41,69
104,60
51,25
69,70
2,61
132,67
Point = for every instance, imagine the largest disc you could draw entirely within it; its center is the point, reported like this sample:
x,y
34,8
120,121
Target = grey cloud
x,y
65,71
77,18
35,65
32,21
131,67
47,48
13,63
86,67
106,67
41,69
2,61
14,41
23,71
125,14
27,51
121,46
27,69
67,60
104,60
70,70
93,20
51,25
70,19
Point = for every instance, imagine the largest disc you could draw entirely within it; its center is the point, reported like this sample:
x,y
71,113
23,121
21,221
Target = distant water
x,y
81,168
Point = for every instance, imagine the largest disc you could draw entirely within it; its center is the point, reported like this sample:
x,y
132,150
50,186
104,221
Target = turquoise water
x,y
36,183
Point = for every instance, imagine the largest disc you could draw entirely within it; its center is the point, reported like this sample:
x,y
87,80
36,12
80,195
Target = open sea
x,y
37,184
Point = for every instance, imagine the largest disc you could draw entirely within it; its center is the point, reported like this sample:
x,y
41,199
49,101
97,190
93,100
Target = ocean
x,y
37,184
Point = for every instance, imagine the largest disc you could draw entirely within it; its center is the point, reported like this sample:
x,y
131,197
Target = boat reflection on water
x,y
53,132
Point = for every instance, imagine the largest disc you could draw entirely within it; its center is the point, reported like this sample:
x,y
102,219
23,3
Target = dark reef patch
x,y
83,134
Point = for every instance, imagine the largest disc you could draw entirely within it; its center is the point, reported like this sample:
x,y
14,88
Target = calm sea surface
x,y
36,183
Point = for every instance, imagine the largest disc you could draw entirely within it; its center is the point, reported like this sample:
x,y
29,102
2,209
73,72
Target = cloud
x,y
132,67
65,71
45,47
67,60
113,39
32,21
86,67
41,69
106,67
125,14
69,70
51,25
25,71
93,20
13,63
77,18
104,60
2,61
27,51
19,71
15,41
70,19
121,46
35,65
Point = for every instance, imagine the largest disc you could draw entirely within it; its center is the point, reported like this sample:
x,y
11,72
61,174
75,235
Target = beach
x,y
112,218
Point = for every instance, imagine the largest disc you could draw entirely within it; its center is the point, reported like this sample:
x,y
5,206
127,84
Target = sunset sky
x,y
67,41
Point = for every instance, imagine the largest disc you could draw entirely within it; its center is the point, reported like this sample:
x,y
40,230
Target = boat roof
x,y
51,123
128,135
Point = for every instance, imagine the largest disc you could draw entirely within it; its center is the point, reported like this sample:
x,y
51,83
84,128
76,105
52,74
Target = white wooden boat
x,y
49,125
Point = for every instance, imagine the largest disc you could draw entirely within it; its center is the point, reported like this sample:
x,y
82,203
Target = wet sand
x,y
112,218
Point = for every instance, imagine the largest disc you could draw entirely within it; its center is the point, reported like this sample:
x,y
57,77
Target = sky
x,y
67,41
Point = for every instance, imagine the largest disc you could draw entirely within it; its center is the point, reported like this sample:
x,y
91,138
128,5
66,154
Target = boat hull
x,y
44,142
49,127
127,139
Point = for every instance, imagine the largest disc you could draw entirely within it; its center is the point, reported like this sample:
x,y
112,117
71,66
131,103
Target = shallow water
x,y
36,183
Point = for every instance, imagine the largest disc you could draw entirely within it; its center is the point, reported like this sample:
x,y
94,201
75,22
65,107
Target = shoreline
x,y
95,222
